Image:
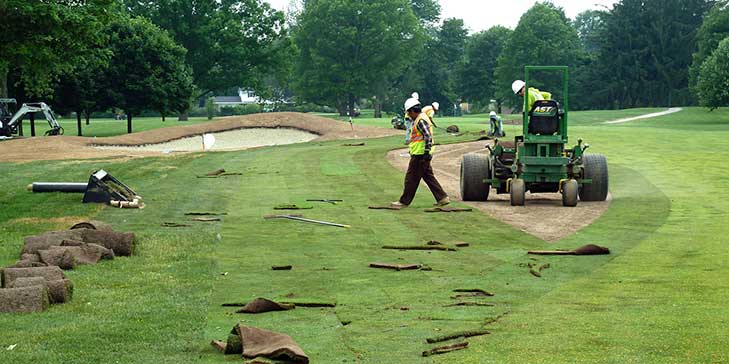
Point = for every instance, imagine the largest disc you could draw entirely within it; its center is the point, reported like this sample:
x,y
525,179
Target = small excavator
x,y
10,122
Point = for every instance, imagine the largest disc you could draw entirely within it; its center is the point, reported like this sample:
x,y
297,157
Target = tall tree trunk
x,y
342,109
3,79
350,105
163,118
87,114
78,123
31,116
129,122
378,105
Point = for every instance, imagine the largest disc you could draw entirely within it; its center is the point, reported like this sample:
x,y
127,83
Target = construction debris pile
x,y
37,279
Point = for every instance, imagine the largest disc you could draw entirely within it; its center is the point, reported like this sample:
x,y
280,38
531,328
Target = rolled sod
x,y
59,291
260,305
59,257
252,342
23,263
30,257
24,299
121,243
44,241
49,273
93,225
85,253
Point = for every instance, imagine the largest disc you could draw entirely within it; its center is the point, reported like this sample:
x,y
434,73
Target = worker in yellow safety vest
x,y
534,94
421,154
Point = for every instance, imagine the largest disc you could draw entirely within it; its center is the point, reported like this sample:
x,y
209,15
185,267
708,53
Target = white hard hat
x,y
493,113
415,95
436,105
517,86
409,103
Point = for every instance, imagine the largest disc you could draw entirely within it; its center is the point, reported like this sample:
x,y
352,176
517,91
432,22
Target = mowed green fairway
x,y
660,297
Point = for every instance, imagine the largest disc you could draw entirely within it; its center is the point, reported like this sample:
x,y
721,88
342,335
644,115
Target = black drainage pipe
x,y
58,187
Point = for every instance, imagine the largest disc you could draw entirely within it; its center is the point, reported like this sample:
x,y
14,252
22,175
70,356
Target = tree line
x,y
94,55
637,54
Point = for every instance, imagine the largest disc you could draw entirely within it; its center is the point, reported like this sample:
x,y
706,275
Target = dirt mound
x,y
543,216
72,147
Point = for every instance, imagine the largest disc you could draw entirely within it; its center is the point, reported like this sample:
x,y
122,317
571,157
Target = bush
x,y
304,108
240,110
713,82
210,108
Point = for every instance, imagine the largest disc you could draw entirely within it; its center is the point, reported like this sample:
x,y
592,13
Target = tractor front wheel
x,y
569,193
475,168
517,192
596,169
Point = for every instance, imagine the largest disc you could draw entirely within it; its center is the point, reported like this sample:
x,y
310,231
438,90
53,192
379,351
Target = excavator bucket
x,y
104,188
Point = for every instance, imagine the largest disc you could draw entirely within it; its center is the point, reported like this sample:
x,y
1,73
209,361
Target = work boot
x,y
398,205
442,202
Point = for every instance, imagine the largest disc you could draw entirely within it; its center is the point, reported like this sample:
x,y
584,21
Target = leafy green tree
x,y
146,70
713,81
78,90
428,11
42,39
477,83
441,63
647,52
590,25
352,48
411,78
230,43
544,36
712,31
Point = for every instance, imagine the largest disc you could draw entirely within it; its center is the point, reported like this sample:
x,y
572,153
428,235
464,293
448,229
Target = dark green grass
x,y
659,298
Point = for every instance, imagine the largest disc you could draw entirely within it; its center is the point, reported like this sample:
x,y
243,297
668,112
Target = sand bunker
x,y
543,216
72,147
228,140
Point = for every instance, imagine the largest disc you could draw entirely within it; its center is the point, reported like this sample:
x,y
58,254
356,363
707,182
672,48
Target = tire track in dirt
x,y
543,216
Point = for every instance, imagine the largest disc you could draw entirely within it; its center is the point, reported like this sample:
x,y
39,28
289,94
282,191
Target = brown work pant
x,y
418,169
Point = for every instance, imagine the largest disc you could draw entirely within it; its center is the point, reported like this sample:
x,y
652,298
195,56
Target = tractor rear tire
x,y
595,169
475,168
569,193
517,192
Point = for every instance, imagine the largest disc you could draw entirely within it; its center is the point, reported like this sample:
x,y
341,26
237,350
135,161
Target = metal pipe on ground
x,y
68,187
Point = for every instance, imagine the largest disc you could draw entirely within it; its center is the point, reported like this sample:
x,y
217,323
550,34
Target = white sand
x,y
228,140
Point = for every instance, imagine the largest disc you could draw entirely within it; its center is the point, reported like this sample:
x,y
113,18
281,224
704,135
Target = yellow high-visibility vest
x,y
417,139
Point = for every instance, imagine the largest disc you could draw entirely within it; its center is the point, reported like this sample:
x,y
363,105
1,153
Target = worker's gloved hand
x,y
427,156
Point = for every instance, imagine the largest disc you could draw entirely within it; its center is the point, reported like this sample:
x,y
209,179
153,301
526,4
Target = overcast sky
x,y
483,14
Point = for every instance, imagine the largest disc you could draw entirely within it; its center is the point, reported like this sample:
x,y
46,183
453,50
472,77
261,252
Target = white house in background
x,y
244,97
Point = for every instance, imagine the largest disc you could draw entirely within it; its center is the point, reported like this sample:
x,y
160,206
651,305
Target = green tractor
x,y
537,161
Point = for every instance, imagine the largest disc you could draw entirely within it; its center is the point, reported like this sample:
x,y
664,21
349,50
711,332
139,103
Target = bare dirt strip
x,y
73,147
543,216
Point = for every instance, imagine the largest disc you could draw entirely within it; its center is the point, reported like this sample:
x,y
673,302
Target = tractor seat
x,y
544,117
